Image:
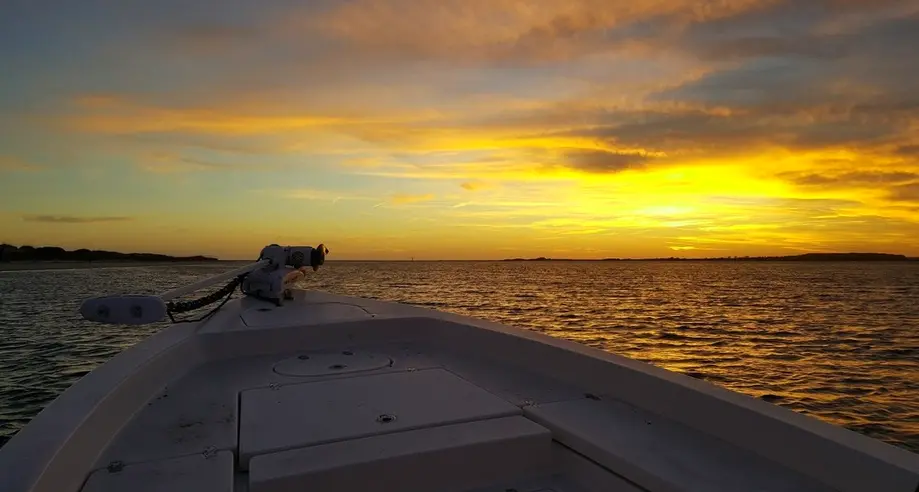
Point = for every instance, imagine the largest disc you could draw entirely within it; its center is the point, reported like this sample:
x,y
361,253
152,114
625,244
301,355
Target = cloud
x,y
766,95
675,131
120,116
169,163
852,178
821,29
407,198
98,101
165,163
71,219
549,101
12,163
833,74
504,31
315,194
851,41
210,39
723,131
602,161
475,185
801,225
908,150
905,193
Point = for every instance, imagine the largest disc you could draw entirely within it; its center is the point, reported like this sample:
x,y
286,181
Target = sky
x,y
461,129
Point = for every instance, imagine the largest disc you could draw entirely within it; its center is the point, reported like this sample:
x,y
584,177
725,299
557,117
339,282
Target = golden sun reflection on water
x,y
836,341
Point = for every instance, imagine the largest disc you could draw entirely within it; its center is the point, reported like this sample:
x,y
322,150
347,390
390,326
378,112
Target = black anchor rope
x,y
225,293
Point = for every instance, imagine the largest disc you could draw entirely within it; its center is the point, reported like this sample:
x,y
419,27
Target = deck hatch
x,y
309,414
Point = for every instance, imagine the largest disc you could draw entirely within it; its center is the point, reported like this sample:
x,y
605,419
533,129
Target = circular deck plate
x,y
328,363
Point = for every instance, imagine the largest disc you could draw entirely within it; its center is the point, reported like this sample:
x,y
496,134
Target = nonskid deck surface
x,y
407,406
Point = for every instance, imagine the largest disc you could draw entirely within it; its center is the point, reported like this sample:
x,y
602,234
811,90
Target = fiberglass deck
x,y
407,416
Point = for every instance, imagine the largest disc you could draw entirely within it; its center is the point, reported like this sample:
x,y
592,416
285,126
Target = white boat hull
x,y
337,393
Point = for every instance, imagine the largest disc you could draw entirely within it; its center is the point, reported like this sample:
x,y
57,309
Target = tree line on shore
x,y
10,253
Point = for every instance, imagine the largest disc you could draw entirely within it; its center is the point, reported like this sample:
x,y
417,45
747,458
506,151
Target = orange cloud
x,y
504,29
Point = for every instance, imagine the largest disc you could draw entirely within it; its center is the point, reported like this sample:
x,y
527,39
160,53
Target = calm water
x,y
837,341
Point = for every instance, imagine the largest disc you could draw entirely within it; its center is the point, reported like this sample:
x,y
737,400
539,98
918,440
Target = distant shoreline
x,y
20,266
809,257
49,256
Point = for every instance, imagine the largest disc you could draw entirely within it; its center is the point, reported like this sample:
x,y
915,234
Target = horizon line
x,y
877,255
211,260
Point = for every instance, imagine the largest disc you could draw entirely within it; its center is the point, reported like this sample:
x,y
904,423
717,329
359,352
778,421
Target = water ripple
x,y
836,341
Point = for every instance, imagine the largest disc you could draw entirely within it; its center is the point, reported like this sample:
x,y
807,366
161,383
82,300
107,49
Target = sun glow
x,y
482,131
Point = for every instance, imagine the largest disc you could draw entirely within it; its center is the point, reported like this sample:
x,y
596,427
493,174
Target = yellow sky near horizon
x,y
392,129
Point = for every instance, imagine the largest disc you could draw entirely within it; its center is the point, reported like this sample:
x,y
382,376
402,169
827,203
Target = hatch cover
x,y
308,414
